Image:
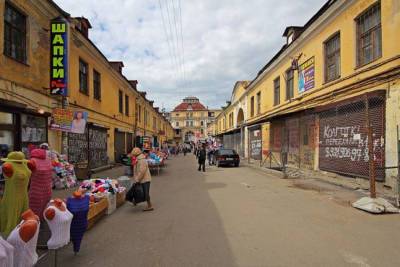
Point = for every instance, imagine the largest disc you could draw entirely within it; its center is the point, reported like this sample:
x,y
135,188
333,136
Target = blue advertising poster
x,y
59,58
306,75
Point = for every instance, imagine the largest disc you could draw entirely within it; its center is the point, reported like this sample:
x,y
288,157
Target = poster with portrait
x,y
69,121
307,75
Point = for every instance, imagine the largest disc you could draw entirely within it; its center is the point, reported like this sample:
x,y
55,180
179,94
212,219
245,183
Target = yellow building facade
x,y
307,107
119,116
191,119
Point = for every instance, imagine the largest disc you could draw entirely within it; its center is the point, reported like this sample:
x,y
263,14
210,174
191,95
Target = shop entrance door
x,y
119,145
129,142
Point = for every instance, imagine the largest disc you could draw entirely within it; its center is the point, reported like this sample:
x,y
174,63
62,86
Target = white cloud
x,y
224,41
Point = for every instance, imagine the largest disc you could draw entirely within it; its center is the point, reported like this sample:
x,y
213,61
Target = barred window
x,y
277,91
83,77
332,58
14,33
289,84
369,35
96,85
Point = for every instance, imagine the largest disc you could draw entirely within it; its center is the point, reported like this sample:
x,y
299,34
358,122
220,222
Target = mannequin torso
x,y
24,240
41,182
15,198
78,205
59,220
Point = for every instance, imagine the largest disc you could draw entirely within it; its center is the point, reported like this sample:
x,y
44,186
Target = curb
x,y
279,174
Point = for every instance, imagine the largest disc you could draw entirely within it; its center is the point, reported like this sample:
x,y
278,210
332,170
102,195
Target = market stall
x,y
156,160
100,190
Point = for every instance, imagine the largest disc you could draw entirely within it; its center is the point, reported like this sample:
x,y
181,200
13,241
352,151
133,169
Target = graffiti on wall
x,y
308,158
276,139
349,143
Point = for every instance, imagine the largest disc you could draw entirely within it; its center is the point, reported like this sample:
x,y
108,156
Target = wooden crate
x,y
97,211
121,199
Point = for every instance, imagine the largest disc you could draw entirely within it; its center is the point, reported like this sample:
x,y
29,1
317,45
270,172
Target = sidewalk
x,y
343,189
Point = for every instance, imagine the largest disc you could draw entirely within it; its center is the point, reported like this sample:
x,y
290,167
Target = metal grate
x,y
343,135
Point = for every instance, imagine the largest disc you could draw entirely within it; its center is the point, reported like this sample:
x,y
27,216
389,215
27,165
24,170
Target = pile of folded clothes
x,y
99,188
63,172
154,159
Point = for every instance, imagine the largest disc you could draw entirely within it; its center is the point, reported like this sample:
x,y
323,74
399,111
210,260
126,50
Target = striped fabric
x,y
79,207
41,182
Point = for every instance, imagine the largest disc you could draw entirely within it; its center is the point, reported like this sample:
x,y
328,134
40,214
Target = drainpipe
x,y
398,168
136,121
370,151
248,145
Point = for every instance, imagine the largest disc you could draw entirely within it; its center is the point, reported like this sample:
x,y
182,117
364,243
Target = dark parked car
x,y
227,157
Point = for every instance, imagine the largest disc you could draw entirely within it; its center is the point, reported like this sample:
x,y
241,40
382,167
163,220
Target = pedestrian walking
x,y
141,174
202,154
210,153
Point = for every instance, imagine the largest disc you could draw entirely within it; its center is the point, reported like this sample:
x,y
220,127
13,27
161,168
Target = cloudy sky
x,y
200,49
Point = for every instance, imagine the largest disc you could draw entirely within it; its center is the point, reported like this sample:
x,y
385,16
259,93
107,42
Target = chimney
x,y
83,26
151,102
143,94
117,65
133,83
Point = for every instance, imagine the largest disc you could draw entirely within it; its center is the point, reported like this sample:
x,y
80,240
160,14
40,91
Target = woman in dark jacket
x,y
202,154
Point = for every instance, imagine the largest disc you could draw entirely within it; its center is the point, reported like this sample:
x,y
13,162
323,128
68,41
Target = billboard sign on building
x,y
255,143
68,121
59,57
307,75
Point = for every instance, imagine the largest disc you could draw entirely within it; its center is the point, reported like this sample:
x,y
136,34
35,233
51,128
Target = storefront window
x,y
6,118
7,133
33,130
6,142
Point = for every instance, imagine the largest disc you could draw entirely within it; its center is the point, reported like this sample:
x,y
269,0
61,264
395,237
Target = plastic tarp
x,y
375,205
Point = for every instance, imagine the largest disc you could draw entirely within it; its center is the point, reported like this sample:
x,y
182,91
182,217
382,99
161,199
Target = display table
x,y
112,203
155,167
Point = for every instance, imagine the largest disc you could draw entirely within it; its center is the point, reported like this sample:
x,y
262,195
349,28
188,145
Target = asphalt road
x,y
237,217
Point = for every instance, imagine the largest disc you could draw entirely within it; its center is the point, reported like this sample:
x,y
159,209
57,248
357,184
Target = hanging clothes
x,y
60,226
79,207
15,198
41,182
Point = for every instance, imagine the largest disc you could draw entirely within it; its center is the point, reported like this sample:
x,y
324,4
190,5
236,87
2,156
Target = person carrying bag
x,y
135,194
141,177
